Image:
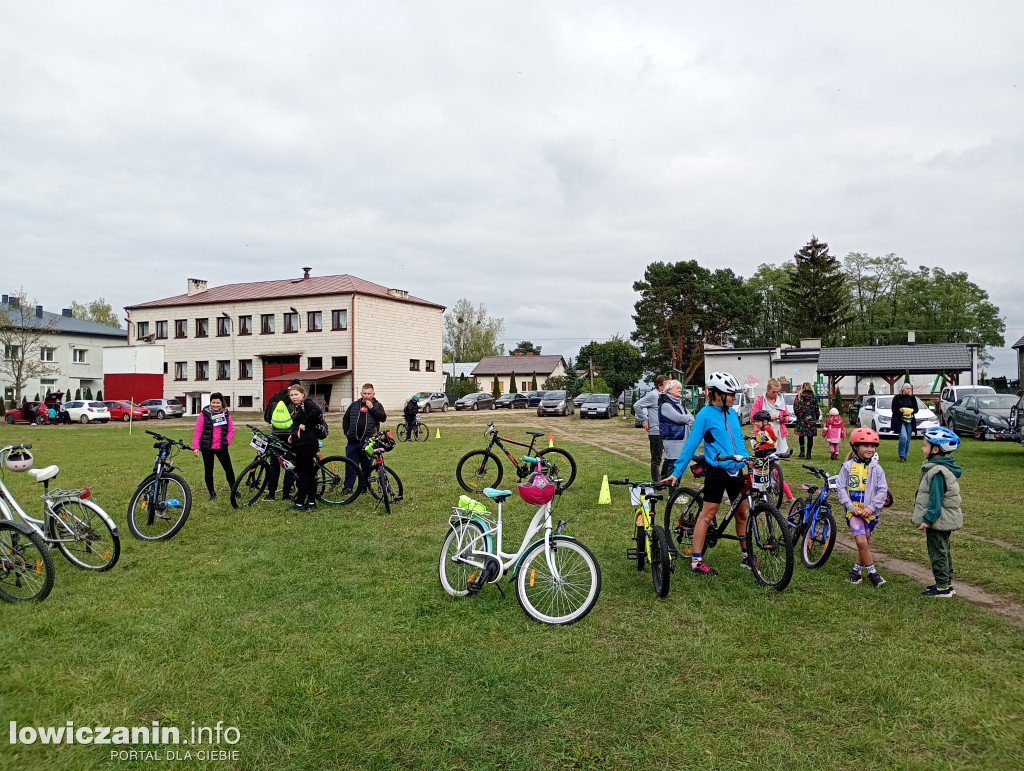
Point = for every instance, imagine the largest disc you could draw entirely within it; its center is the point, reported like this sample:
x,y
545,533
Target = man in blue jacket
x,y
718,426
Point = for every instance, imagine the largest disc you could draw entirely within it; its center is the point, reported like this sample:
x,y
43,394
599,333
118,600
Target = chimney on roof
x,y
402,293
196,286
5,300
39,311
518,353
305,272
65,312
810,342
529,353
911,337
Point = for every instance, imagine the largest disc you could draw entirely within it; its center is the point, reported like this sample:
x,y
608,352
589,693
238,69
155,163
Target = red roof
x,y
296,287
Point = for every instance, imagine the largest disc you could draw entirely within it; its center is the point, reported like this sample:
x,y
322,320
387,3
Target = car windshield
x,y
555,395
599,398
967,391
885,403
996,401
424,395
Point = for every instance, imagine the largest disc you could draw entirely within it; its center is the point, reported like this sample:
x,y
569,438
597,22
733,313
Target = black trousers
x,y
305,474
810,444
224,456
657,448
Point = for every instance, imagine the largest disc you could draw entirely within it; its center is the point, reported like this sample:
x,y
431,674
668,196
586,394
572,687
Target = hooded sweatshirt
x,y
941,508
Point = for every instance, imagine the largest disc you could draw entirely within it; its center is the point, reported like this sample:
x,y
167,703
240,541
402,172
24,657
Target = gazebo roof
x,y
895,359
1018,344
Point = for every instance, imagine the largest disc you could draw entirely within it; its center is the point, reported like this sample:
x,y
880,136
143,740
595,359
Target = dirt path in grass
x,y
963,534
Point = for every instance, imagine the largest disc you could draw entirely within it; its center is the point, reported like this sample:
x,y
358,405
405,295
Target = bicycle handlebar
x,y
818,472
628,483
163,438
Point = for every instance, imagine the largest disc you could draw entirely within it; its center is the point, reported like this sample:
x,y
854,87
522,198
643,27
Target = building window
x,y
142,329
244,401
47,382
315,362
181,370
339,320
339,362
291,322
226,400
202,327
161,330
202,370
525,388
430,365
12,352
266,323
315,321
80,356
414,365
46,354
165,367
223,326
245,325
181,328
245,369
223,370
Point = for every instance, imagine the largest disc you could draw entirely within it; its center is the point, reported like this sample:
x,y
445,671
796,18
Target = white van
x,y
953,392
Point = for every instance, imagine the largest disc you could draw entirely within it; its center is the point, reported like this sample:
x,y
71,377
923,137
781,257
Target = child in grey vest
x,y
937,506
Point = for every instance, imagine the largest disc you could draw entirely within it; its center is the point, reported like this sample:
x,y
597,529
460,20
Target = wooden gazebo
x,y
891,363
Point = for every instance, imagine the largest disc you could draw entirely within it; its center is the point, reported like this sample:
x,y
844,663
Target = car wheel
x,y
9,419
84,419
476,406
40,420
494,405
426,409
444,407
160,414
107,420
126,417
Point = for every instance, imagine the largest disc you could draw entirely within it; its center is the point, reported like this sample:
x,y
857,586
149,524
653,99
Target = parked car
x,y
119,410
432,400
790,400
876,413
578,401
1017,419
512,402
599,405
87,411
29,412
855,410
535,397
556,403
164,408
952,393
984,416
475,401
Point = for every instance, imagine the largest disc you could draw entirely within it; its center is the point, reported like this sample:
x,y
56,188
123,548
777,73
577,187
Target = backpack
x,y
321,428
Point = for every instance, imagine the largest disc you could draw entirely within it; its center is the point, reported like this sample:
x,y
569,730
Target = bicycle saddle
x,y
44,474
535,433
809,488
654,497
698,458
498,495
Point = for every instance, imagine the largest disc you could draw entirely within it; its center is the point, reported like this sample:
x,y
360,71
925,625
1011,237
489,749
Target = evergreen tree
x,y
99,396
512,384
837,401
906,378
871,388
533,382
818,300
78,394
495,388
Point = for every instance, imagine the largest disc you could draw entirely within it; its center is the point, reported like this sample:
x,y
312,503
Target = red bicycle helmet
x,y
864,436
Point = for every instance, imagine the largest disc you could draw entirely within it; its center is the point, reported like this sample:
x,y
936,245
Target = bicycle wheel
x,y
26,565
401,433
796,513
661,568
774,492
330,480
385,486
250,484
561,599
83,535
769,546
422,432
681,514
454,575
641,547
477,470
557,463
819,540
159,507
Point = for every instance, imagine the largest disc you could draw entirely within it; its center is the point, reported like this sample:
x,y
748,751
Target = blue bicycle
x,y
811,520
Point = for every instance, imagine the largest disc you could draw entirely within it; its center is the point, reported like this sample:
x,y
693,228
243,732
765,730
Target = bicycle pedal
x,y
632,554
474,585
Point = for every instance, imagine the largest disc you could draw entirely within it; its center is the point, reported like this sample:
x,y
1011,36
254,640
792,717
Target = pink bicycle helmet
x,y
19,459
537,489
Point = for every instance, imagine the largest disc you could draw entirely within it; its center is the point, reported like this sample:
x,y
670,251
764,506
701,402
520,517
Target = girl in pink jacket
x,y
834,432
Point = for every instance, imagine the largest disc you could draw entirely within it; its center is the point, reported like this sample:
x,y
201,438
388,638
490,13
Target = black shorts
x,y
717,481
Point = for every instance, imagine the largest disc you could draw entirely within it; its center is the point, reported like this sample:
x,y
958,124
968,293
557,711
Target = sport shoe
x,y
876,579
855,577
748,562
933,591
347,491
702,568
269,496
296,507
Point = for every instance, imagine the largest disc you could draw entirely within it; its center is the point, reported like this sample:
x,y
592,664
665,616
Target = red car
x,y
34,412
119,411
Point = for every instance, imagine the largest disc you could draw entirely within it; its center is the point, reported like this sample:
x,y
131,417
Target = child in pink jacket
x,y
834,432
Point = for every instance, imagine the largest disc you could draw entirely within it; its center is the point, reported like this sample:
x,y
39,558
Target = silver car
x,y
432,400
164,408
555,403
599,405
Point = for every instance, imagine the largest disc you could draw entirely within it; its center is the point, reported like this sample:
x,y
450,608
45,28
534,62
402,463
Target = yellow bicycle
x,y
653,545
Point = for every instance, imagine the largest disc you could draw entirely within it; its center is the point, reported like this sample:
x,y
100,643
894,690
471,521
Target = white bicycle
x,y
83,532
557,578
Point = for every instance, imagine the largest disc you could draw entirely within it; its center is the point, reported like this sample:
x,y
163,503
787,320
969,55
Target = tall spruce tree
x,y
818,300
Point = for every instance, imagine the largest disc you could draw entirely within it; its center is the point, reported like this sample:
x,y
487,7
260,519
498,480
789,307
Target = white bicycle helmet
x,y
19,460
724,382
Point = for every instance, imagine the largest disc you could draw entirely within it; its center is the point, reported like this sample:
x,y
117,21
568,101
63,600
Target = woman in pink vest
x,y
773,401
212,437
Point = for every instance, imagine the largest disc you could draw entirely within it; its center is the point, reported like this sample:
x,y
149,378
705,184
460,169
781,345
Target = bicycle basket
x,y
537,489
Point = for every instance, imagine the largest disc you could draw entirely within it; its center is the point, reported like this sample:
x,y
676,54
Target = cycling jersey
x,y
721,434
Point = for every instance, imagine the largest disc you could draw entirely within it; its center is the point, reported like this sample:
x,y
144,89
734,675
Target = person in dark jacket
x,y
305,443
279,415
212,437
412,409
807,412
361,421
904,423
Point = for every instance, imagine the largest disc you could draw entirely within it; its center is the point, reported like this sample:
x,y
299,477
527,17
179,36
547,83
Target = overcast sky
x,y
532,156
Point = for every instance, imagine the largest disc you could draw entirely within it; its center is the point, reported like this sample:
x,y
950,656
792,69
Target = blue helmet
x,y
415,397
943,438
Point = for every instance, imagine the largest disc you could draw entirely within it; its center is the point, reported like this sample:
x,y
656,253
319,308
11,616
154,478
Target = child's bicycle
x,y
420,431
653,543
767,535
557,578
814,526
163,500
82,531
383,483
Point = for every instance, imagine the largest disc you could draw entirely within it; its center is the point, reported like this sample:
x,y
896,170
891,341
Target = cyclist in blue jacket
x,y
718,426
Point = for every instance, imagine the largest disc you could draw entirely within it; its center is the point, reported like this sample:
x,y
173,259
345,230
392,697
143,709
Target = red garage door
x,y
274,366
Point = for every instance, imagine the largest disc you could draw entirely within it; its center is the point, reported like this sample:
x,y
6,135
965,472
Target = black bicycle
x,y
384,484
480,469
250,485
162,502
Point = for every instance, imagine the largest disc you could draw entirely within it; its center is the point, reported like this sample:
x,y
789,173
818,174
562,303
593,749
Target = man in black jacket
x,y
904,424
361,421
279,415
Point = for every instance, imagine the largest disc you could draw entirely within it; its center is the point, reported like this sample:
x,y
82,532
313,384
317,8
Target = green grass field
x,y
326,638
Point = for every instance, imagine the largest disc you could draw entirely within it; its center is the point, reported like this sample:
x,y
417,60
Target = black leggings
x,y
810,444
305,474
225,461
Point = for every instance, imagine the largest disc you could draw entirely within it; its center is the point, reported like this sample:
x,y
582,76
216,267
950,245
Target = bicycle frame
x,y
498,440
749,494
813,507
